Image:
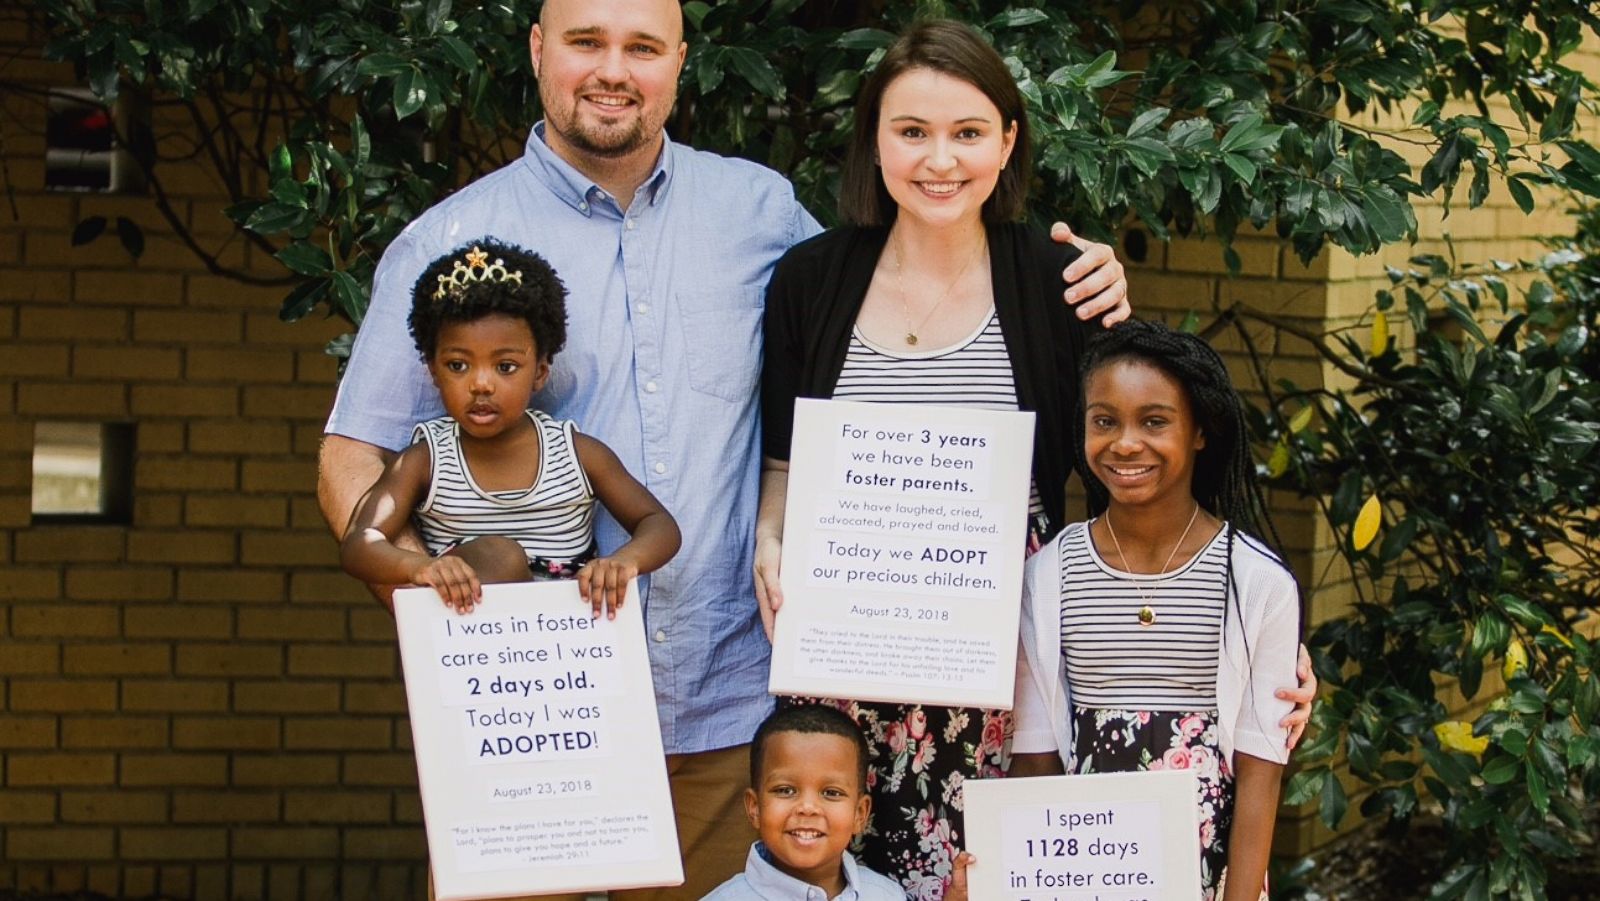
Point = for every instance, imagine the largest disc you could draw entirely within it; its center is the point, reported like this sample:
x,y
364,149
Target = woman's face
x,y
941,143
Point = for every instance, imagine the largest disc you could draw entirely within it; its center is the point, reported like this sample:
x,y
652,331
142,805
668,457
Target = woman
x,y
932,293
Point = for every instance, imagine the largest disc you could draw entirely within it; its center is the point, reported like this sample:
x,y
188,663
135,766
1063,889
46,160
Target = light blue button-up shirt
x,y
761,881
662,362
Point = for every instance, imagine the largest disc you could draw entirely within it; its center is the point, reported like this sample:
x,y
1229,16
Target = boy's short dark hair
x,y
807,719
536,296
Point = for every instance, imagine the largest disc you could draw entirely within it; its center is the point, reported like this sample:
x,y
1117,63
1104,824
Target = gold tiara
x,y
476,270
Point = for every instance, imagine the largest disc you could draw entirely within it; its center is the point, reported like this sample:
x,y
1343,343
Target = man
x,y
665,252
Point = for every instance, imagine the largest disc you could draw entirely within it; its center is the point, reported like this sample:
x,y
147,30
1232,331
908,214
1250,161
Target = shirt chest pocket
x,y
722,340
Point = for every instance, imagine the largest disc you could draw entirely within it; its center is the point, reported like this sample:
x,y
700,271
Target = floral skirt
x,y
1131,741
919,757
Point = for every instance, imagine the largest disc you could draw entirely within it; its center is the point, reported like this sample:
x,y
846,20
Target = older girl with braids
x,y
1153,635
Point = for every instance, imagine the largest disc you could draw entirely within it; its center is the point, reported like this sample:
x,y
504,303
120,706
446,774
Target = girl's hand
x,y
769,595
958,877
604,583
453,578
1302,696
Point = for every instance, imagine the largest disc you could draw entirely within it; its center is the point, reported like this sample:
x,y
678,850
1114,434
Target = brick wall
x,y
198,704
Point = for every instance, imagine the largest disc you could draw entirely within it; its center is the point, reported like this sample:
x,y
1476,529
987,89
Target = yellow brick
x,y
177,621
315,367
279,475
224,807
342,660
169,769
64,620
173,843
155,511
306,515
238,436
47,211
236,510
294,843
177,880
127,287
309,402
63,695
34,361
8,323
284,770
394,843
84,399
31,658
113,807
180,696
312,333
179,546
230,659
338,734
113,732
308,438
138,881
17,807
286,697
336,808
291,623
60,768
375,697
240,365
59,843
289,549
380,770
211,881
186,327
27,732
119,583
72,324
186,474
157,437
230,585
373,623
29,584
215,291
330,586
117,659
230,733
126,363
408,809
70,544
185,400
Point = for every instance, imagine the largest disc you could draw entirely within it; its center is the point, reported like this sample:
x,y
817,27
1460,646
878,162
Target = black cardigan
x,y
816,293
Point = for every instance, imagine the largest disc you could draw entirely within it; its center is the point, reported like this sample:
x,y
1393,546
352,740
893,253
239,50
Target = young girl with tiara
x,y
499,492
1153,635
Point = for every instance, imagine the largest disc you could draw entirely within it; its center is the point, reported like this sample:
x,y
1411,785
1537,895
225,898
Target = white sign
x,y
904,533
538,749
1102,837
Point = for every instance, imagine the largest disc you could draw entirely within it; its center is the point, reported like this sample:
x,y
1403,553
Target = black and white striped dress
x,y
553,519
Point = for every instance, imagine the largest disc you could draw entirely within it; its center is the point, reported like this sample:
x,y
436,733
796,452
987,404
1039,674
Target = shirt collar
x,y
773,884
578,190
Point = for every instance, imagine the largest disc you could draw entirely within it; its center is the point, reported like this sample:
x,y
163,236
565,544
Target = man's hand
x,y
1302,697
1098,283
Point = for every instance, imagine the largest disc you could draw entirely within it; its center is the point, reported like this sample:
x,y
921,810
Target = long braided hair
x,y
1224,473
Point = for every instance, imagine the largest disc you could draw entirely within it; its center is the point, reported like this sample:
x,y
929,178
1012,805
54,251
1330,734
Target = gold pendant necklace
x,y
905,306
1147,613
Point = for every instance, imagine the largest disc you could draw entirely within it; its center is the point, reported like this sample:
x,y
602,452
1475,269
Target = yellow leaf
x,y
1557,633
1456,735
1380,334
1516,662
1367,522
1301,419
1278,463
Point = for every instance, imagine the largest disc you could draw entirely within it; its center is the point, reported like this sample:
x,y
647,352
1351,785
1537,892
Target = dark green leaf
x,y
87,230
305,258
410,92
131,236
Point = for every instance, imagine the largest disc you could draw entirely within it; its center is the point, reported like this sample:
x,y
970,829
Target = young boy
x,y
807,800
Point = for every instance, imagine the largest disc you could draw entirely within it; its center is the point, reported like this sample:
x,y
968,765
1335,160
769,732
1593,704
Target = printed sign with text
x,y
904,534
538,748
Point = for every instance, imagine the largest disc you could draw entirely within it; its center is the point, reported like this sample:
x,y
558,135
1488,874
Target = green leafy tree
x,y
1188,117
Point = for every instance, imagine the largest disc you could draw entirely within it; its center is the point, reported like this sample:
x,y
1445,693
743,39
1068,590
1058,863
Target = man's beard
x,y
610,143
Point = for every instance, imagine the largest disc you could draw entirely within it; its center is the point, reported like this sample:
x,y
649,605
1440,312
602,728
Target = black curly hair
x,y
538,297
1224,472
807,719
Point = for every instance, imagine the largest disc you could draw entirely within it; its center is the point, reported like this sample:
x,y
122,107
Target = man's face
x,y
608,73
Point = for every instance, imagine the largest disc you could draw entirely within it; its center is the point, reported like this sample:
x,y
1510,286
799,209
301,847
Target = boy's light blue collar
x,y
772,883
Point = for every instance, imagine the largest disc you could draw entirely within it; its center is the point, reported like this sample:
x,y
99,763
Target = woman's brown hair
x,y
954,49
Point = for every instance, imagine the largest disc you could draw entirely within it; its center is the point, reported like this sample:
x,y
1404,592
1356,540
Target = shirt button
x,y
643,308
630,225
661,635
660,468
650,387
583,207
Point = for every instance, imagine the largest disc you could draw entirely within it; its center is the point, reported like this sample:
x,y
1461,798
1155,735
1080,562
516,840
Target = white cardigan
x,y
1271,619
